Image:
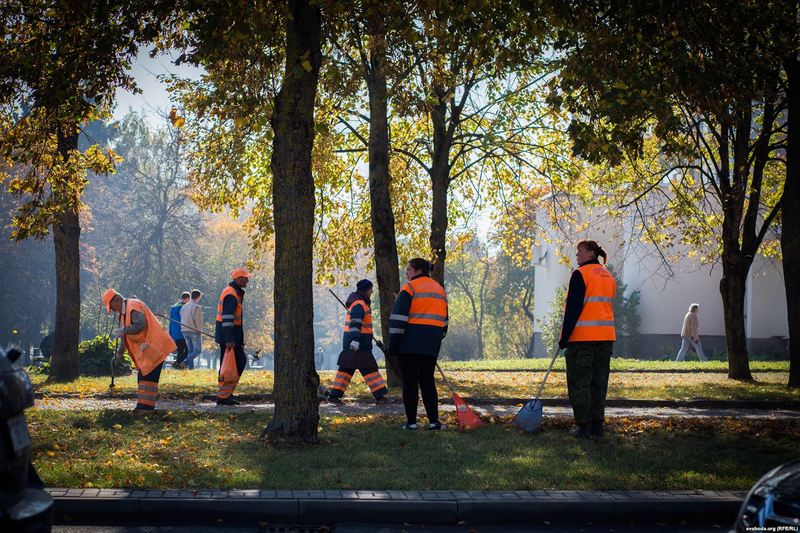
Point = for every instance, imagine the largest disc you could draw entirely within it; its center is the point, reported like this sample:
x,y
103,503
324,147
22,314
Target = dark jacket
x,y
574,303
233,333
175,323
407,338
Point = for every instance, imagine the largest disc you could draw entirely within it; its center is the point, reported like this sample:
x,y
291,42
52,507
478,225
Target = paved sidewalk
x,y
389,506
358,408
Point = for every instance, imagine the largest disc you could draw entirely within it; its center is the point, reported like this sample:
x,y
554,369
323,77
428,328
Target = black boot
x,y
581,431
597,429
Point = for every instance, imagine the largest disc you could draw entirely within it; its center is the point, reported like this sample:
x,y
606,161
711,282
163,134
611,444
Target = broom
x,y
466,417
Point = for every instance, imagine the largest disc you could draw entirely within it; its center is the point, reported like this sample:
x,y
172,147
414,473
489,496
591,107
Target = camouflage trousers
x,y
588,366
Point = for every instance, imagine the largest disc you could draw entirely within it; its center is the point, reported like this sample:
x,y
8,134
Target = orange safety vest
x,y
366,325
149,347
237,315
428,302
596,321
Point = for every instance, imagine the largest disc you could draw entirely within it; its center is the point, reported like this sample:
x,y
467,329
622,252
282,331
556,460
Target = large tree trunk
x,y
296,414
790,220
732,287
64,364
440,178
387,268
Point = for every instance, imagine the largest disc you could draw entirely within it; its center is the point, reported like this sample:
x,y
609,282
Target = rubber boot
x,y
596,429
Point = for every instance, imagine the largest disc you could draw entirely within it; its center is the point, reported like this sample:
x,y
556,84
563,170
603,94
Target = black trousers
x,y
182,352
417,371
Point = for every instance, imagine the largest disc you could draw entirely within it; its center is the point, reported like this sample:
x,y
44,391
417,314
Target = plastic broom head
x,y
466,417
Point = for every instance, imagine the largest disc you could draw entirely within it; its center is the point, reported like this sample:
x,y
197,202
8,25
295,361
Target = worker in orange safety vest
x,y
356,351
229,335
588,334
147,342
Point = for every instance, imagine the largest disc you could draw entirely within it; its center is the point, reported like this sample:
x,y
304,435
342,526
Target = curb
x,y
416,507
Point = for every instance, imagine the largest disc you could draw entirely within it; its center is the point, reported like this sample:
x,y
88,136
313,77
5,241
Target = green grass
x,y
520,384
218,450
618,364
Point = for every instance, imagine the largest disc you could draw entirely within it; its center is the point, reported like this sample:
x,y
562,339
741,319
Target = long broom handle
x,y
377,340
114,363
185,326
549,369
449,385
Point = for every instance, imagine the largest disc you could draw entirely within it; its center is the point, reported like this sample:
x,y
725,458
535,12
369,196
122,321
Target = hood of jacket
x,y
354,297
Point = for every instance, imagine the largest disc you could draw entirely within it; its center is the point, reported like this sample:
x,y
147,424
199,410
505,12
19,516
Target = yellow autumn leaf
x,y
306,64
117,426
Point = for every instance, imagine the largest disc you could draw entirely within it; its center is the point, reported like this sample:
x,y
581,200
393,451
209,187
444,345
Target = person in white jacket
x,y
191,323
690,334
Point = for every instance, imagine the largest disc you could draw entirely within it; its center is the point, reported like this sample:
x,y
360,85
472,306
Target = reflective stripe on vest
x,y
428,302
237,316
596,321
366,322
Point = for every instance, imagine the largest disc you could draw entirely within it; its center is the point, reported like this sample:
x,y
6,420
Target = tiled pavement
x,y
387,506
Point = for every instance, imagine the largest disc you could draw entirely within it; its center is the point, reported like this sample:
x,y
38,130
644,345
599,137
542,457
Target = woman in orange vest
x,y
416,328
146,341
588,335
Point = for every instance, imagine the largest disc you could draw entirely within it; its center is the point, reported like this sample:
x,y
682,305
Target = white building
x,y
667,288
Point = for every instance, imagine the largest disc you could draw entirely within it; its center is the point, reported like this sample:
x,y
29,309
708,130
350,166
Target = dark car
x,y
773,502
24,506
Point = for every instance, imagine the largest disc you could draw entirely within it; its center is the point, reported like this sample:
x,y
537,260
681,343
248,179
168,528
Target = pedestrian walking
x,y
417,325
690,334
230,335
357,348
588,335
146,341
191,325
175,331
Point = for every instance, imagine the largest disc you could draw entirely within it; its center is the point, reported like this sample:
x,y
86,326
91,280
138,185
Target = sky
x,y
154,96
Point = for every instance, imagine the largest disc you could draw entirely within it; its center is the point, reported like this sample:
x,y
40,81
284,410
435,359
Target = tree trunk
x,y
790,220
387,268
296,416
440,178
732,287
64,364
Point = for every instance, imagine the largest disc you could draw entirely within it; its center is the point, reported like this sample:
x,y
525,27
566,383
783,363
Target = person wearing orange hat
x,y
229,334
146,341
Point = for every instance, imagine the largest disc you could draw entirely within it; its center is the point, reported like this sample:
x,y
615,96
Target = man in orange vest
x,y
230,333
146,341
588,335
357,348
416,328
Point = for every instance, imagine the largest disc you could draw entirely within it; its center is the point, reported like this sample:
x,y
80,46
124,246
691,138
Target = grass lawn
x,y
221,450
475,384
618,364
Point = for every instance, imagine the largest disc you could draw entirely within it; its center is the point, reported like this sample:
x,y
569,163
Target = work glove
x,y
354,345
119,332
562,344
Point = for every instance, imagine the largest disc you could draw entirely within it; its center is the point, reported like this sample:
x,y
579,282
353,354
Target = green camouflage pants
x,y
588,366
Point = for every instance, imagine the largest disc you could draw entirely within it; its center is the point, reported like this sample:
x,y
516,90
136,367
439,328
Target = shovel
x,y
529,418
